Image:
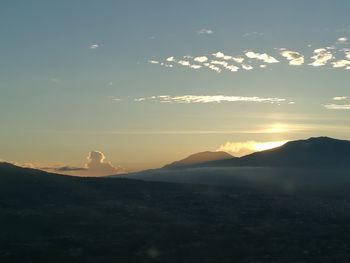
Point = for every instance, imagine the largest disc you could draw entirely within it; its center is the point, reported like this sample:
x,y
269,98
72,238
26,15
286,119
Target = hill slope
x,y
51,218
313,152
198,158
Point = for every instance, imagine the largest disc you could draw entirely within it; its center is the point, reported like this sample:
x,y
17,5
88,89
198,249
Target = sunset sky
x,y
108,86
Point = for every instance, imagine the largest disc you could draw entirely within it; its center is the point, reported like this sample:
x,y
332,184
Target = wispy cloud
x,y
209,99
205,31
151,61
345,100
340,98
94,46
337,106
342,40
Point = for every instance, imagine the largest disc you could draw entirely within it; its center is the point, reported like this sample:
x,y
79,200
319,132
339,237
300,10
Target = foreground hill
x,y
313,152
199,158
51,218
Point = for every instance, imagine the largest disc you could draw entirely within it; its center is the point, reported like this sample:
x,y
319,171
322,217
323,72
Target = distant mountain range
x,y
199,158
313,152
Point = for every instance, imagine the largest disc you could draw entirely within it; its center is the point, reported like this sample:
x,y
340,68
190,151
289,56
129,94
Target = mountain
x,y
47,217
199,158
313,152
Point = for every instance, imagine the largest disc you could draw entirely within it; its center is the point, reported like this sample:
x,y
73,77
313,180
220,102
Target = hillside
x,y
199,158
52,218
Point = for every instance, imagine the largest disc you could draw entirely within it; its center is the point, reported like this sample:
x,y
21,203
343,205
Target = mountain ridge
x,y
200,157
315,151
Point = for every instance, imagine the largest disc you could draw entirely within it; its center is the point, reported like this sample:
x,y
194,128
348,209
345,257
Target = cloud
x,y
334,106
201,59
294,58
347,54
247,67
321,57
153,61
195,66
238,59
213,67
96,165
218,62
170,59
340,98
232,68
253,34
209,99
218,54
205,31
94,46
184,63
337,106
340,63
263,57
342,40
239,149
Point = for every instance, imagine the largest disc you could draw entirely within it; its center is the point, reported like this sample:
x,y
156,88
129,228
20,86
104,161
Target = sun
x,y
262,146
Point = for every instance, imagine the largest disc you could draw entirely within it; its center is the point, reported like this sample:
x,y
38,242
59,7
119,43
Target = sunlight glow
x,y
262,146
239,149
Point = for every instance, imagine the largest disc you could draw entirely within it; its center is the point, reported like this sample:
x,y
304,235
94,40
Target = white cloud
x,y
341,63
294,58
221,63
238,59
340,98
342,40
210,99
153,61
347,54
263,57
219,55
94,46
205,31
337,106
170,59
232,68
96,165
263,66
247,67
184,63
201,59
213,67
226,57
239,149
195,66
321,57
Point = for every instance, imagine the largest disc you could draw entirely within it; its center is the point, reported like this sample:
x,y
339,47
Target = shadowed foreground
x,y
51,218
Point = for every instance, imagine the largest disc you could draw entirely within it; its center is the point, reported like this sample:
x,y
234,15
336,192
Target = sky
x,y
107,86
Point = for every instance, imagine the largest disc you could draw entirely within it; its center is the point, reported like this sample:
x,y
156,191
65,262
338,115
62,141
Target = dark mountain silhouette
x,y
46,217
313,152
199,158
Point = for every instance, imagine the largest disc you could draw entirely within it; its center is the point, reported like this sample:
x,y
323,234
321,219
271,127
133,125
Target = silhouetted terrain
x,y
52,218
199,158
313,152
